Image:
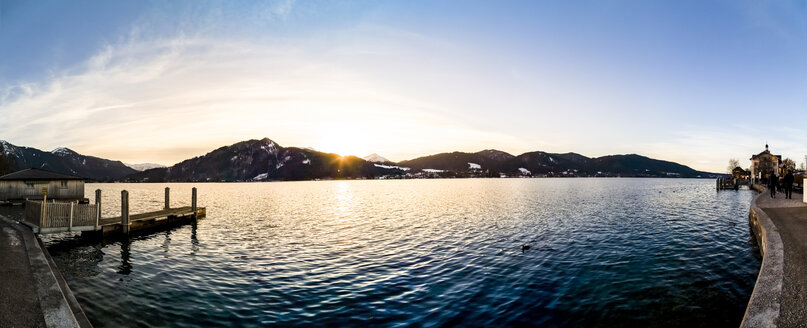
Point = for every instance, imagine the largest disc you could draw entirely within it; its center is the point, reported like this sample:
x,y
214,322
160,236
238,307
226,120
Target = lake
x,y
605,252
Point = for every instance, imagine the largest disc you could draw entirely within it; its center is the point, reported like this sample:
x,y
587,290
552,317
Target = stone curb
x,y
763,307
75,307
52,300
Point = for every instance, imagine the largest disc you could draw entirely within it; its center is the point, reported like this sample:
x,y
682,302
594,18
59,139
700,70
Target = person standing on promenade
x,y
773,182
788,182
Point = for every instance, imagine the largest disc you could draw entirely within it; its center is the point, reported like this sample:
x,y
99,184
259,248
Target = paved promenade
x,y
32,292
19,305
790,218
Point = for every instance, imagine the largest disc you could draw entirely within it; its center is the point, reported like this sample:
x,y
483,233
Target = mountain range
x,y
61,160
550,164
265,160
262,160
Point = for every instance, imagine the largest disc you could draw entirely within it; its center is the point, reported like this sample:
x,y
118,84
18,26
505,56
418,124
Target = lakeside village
x,y
764,166
475,171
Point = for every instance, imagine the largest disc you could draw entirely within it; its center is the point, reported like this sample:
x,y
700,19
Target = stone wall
x,y
763,307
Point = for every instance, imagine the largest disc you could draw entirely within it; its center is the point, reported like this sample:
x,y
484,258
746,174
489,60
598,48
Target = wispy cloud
x,y
412,79
164,100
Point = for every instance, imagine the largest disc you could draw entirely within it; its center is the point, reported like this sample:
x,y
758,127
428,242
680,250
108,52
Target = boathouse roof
x,y
37,175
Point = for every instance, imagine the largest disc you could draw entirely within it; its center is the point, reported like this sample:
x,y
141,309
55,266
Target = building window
x,y
63,184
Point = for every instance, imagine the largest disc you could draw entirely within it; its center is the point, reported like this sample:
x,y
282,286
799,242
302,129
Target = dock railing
x,y
58,217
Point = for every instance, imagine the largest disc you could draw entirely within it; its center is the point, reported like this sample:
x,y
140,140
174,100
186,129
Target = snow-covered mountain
x,y
60,160
144,166
376,158
63,152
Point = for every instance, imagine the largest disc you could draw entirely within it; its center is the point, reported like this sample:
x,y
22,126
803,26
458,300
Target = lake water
x,y
604,252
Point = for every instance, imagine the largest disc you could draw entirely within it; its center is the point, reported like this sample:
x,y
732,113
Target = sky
x,y
694,82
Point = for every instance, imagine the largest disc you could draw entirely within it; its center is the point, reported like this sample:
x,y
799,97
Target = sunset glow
x,y
400,80
344,141
365,163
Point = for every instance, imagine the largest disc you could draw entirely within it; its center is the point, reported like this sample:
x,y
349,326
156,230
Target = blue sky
x,y
696,82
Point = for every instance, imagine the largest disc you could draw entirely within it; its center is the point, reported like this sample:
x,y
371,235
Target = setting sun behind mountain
x,y
344,142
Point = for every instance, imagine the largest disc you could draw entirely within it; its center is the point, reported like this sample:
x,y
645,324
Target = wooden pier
x,y
44,217
731,183
150,220
727,184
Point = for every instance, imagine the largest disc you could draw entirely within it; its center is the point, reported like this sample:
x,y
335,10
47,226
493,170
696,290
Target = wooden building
x,y
739,173
29,184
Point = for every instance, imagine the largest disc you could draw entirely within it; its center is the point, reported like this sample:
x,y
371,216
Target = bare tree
x,y
733,163
789,164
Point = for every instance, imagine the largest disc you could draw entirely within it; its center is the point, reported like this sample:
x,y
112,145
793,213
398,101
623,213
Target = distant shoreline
x,y
436,178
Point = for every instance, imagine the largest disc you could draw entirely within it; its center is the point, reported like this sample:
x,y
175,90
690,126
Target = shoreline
x,y
764,305
414,179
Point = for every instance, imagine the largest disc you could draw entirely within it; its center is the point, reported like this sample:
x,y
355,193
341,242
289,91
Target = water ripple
x,y
603,252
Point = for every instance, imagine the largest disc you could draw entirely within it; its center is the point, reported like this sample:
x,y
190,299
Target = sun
x,y
344,141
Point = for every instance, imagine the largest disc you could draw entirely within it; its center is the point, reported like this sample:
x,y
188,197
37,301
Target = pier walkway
x,y
156,215
32,291
790,218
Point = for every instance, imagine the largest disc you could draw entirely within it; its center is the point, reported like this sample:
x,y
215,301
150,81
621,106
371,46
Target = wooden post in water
x,y
70,220
97,207
124,211
44,211
193,201
167,192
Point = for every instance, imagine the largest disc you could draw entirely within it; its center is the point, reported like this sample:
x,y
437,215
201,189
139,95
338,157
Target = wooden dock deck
x,y
730,183
149,220
156,215
45,217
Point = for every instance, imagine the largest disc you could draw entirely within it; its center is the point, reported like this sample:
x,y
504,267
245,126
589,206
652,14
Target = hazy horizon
x,y
695,83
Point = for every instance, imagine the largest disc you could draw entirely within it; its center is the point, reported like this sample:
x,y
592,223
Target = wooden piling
x,y
97,207
44,210
193,201
70,220
124,211
167,198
